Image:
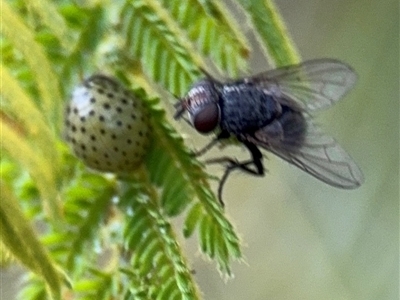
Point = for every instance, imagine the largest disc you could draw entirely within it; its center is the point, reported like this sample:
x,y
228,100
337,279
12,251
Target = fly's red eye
x,y
207,118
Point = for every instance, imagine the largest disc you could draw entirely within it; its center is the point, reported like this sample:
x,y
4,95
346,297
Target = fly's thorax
x,y
246,108
202,104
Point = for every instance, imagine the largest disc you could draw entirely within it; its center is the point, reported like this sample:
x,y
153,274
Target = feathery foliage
x,y
270,29
87,235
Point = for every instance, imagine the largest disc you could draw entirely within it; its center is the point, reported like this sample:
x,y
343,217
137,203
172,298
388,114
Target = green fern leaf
x,y
34,289
99,286
17,235
6,256
192,219
80,60
272,32
88,200
27,114
164,164
150,39
34,161
215,31
150,239
36,58
50,16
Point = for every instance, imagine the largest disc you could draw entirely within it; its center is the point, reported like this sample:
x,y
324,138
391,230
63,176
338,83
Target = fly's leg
x,y
253,166
232,165
206,148
214,141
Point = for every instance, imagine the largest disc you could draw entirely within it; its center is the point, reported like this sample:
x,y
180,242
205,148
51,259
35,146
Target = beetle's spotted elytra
x,y
106,125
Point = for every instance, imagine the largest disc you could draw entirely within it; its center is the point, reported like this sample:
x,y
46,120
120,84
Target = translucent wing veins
x,y
313,85
319,155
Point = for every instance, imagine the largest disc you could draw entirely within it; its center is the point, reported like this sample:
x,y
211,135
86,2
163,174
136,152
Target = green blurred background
x,y
303,239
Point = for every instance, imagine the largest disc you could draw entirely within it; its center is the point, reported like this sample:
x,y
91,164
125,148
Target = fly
x,y
272,110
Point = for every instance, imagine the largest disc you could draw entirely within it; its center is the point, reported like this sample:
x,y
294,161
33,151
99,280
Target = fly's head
x,y
202,105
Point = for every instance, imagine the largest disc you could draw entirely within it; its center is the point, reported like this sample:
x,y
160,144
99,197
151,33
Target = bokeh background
x,y
303,239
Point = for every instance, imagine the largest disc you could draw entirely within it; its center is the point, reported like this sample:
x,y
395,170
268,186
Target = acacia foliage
x,y
47,48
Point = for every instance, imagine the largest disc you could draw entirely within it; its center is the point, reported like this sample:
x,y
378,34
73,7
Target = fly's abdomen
x,y
294,127
245,109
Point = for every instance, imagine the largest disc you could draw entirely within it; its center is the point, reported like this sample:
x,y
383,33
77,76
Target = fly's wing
x,y
313,85
317,154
